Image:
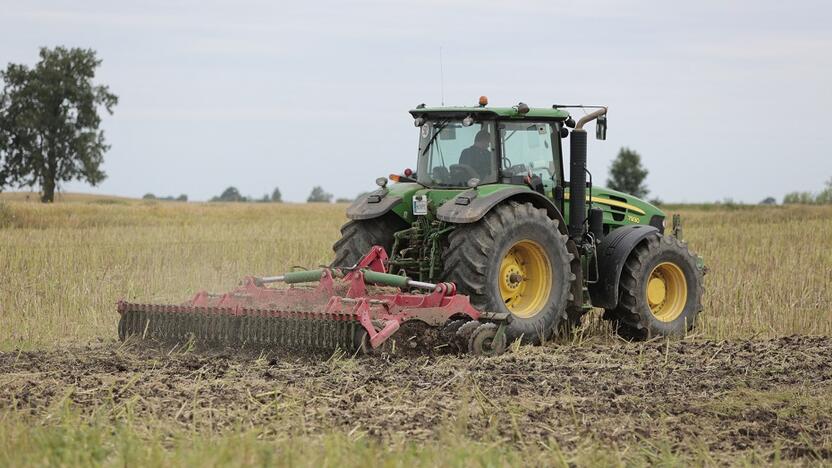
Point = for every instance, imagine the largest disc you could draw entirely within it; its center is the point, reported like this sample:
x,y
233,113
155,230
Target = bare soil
x,y
725,397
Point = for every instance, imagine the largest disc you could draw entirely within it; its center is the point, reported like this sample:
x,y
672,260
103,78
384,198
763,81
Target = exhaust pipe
x,y
577,184
577,174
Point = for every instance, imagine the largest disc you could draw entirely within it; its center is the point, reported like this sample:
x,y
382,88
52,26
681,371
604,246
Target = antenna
x,y
441,77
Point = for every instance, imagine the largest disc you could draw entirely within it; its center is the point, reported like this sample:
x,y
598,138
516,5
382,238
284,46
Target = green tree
x,y
825,197
231,194
627,174
318,195
277,197
798,198
49,121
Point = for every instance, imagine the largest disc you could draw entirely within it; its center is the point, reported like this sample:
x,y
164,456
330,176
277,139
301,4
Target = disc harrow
x,y
354,309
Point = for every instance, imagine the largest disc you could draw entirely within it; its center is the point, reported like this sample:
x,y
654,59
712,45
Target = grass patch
x,y
69,440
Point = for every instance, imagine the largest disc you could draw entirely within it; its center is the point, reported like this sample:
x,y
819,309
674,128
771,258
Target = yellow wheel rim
x,y
667,292
525,279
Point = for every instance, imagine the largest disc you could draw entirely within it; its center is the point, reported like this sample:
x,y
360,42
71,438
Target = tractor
x,y
489,241
489,209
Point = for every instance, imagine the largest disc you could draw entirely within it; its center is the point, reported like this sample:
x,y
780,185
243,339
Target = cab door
x,y
531,153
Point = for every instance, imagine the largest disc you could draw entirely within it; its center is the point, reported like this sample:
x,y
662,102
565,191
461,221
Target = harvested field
x,y
729,397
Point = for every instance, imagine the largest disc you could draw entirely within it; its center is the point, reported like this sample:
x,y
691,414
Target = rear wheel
x,y
513,260
661,290
357,237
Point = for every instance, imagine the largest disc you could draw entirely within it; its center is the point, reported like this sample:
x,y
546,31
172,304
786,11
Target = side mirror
x,y
601,128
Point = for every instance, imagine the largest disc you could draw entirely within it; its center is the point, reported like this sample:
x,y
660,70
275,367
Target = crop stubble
x,y
729,395
64,266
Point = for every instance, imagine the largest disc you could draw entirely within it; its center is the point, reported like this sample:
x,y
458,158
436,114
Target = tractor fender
x,y
467,207
372,205
612,254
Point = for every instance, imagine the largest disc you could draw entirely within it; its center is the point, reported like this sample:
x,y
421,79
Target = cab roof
x,y
535,113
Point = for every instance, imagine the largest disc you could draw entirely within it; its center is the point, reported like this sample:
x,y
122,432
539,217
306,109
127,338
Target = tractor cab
x,y
463,147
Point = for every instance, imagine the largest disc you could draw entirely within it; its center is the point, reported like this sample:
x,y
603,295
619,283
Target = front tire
x,y
513,260
661,290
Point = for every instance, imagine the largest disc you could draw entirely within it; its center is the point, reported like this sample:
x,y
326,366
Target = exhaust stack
x,y
577,184
577,174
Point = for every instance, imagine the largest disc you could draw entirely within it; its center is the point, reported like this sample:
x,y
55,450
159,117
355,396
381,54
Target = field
x,y
753,383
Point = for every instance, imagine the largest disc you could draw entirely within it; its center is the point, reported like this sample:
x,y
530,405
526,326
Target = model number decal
x,y
633,219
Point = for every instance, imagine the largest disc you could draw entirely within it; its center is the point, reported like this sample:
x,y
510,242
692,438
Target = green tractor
x,y
489,209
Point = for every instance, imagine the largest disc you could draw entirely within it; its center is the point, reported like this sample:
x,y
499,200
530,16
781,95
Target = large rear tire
x,y
661,290
358,237
513,260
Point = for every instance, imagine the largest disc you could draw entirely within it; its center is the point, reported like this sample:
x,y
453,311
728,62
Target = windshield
x,y
450,154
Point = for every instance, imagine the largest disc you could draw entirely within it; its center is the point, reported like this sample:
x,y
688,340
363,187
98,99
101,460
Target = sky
x,y
722,99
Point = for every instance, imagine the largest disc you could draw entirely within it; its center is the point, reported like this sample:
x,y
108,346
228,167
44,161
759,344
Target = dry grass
x,y
63,266
63,197
770,270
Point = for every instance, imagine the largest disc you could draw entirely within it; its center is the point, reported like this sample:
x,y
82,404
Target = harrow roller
x,y
355,310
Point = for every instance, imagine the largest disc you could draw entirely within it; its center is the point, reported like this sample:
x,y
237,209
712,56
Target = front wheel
x,y
661,290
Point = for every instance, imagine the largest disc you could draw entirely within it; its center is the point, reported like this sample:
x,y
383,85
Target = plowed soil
x,y
725,396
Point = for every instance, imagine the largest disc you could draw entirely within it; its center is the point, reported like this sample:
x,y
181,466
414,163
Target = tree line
x,y
824,197
317,195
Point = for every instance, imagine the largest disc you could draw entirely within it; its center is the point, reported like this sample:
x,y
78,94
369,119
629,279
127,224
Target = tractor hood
x,y
398,198
618,208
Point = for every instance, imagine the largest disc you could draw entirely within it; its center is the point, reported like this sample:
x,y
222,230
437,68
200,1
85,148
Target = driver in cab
x,y
478,157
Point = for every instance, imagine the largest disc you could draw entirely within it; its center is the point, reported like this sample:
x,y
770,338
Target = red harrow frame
x,y
356,309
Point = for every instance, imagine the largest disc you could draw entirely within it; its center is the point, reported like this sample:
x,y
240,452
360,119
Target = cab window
x,y
529,149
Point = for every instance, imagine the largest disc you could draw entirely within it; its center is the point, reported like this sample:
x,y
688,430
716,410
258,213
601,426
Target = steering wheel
x,y
506,163
467,172
440,174
519,169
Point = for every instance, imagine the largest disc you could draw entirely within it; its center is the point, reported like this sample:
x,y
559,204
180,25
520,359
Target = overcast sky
x,y
722,99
